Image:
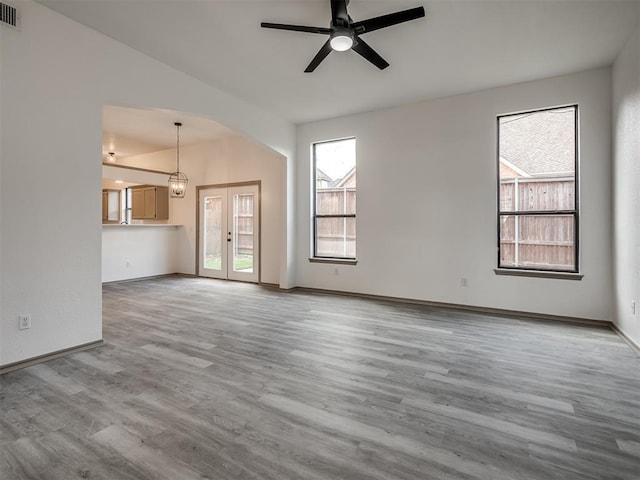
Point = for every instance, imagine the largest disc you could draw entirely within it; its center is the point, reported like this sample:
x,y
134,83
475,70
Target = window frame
x,y
314,215
575,212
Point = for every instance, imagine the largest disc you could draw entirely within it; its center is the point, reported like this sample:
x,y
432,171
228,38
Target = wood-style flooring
x,y
206,379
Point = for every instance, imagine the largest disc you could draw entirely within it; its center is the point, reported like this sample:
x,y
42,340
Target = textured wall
x,y
626,181
55,77
440,156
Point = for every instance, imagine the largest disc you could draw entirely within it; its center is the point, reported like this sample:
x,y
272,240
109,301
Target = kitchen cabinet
x,y
150,203
110,206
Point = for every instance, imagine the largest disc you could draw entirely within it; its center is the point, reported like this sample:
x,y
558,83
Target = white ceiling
x,y
109,184
130,131
460,46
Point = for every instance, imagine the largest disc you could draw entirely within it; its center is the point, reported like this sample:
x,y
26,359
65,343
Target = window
x,y
538,190
334,199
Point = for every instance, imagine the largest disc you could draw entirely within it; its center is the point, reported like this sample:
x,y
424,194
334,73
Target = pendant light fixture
x,y
177,180
111,157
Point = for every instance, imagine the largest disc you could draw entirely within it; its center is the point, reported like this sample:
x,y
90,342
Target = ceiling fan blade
x,y
339,15
321,55
362,48
296,28
376,23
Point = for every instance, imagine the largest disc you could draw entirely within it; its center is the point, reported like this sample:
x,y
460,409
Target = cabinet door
x,y
113,206
150,202
162,203
137,204
105,205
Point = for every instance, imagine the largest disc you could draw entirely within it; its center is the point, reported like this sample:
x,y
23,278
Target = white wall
x,y
138,251
55,77
427,201
134,176
234,159
135,252
163,161
227,160
626,192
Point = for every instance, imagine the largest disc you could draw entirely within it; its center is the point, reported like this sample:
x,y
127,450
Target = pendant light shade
x,y
178,180
178,184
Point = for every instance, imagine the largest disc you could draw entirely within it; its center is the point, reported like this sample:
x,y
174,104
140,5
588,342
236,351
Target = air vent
x,y
9,16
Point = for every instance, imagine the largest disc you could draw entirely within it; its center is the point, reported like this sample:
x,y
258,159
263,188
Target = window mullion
x,y
538,212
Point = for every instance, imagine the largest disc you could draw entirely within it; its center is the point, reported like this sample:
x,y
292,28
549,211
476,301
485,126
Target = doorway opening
x,y
229,231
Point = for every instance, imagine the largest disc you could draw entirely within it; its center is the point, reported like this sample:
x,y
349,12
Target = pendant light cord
x,y
178,124
177,180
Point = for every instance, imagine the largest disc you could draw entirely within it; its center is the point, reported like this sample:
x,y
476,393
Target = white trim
x,y
523,272
627,338
28,362
470,308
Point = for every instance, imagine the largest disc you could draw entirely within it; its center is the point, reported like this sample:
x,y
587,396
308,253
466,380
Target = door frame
x,y
257,183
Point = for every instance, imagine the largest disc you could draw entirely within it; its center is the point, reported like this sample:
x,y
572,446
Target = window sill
x,y
339,261
538,273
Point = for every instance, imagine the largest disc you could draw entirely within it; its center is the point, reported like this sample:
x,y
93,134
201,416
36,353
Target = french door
x,y
229,236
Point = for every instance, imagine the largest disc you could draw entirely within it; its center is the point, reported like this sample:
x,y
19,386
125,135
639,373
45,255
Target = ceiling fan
x,y
344,33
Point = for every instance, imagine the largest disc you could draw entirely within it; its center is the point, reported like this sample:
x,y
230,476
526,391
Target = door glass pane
x,y
213,233
243,233
537,241
336,237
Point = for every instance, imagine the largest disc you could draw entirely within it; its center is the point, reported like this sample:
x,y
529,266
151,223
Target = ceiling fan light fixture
x,y
345,34
341,40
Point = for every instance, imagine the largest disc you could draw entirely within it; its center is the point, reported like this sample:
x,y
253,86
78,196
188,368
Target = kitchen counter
x,y
132,225
139,250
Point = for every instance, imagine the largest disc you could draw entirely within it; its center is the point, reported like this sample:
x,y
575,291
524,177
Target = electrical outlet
x,y
336,272
24,322
464,282
128,263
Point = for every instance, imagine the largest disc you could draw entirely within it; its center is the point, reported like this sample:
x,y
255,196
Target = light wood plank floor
x,y
220,380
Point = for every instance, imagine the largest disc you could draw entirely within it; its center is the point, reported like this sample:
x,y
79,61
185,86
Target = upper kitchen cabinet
x,y
110,206
150,203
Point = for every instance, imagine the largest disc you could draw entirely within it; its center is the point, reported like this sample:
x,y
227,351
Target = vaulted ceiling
x,y
460,46
131,131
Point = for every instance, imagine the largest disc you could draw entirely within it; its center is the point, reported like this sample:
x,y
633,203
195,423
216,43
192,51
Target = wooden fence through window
x,y
537,241
336,237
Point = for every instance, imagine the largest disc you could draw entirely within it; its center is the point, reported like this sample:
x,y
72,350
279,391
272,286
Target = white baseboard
x,y
470,308
627,338
10,367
